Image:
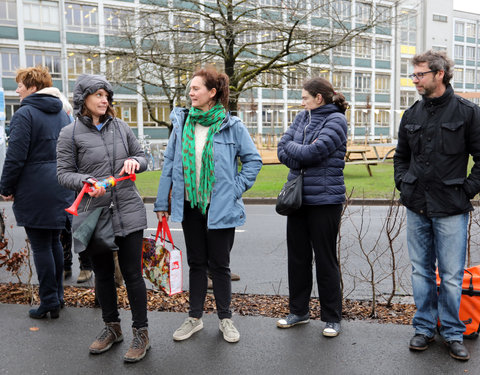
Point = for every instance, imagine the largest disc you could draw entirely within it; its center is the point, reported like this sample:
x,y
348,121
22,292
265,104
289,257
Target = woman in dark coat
x,y
29,179
96,146
316,143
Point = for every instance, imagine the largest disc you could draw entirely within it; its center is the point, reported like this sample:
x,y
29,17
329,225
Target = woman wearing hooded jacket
x,y
315,143
201,169
95,146
30,164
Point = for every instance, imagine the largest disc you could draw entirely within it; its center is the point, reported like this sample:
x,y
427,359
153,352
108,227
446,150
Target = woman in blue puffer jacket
x,y
315,143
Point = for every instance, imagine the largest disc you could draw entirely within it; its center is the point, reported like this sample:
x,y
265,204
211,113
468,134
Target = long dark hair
x,y
218,81
319,85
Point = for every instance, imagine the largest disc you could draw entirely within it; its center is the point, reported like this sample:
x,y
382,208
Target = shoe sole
x,y
136,359
280,325
330,334
100,351
189,334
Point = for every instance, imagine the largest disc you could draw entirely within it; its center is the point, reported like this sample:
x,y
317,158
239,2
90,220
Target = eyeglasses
x,y
420,75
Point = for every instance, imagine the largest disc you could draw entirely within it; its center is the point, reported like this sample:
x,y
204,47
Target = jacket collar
x,y
433,102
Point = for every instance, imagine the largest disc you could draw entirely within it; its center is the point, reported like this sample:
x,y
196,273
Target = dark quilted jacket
x,y
316,142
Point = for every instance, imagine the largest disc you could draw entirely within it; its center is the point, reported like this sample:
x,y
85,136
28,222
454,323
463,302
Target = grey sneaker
x,y
230,333
292,320
188,328
331,329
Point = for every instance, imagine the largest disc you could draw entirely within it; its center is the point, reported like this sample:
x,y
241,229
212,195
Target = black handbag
x,y
289,199
93,230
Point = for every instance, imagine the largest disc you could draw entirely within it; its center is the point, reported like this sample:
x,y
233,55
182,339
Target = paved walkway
x,y
61,347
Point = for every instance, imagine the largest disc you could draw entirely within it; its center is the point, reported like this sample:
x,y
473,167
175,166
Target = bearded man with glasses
x,y
436,136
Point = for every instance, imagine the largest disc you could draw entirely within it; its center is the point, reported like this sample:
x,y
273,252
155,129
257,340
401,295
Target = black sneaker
x,y
420,342
457,350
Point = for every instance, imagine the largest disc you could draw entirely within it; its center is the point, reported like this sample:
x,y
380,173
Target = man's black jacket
x,y
435,138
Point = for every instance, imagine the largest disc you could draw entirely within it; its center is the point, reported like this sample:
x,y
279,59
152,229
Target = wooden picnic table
x,y
364,160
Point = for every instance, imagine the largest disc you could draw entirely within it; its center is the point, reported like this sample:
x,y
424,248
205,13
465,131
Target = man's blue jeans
x,y
441,239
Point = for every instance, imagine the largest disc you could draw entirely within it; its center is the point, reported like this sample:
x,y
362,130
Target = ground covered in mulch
x,y
242,304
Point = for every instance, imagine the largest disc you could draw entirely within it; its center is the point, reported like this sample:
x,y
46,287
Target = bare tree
x,y
258,43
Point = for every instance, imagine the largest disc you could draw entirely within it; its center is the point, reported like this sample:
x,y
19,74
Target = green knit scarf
x,y
213,118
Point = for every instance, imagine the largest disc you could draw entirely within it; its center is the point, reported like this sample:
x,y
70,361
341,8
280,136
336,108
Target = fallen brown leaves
x,y
242,304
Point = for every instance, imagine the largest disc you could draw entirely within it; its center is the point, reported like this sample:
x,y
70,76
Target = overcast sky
x,y
472,6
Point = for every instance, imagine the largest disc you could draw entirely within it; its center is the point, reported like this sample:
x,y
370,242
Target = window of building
x,y
407,98
382,117
341,80
458,52
120,69
470,53
406,68
340,9
272,118
81,17
382,50
50,59
384,14
80,63
364,12
246,37
458,75
158,111
10,108
10,62
382,83
344,50
408,28
295,79
127,112
363,48
272,79
459,28
469,76
439,48
440,18
8,12
363,82
40,14
470,29
362,117
117,21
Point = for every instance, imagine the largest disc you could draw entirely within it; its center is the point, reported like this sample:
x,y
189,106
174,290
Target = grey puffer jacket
x,y
84,152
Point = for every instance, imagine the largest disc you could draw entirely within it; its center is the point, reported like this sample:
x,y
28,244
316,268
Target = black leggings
x,y
207,249
129,259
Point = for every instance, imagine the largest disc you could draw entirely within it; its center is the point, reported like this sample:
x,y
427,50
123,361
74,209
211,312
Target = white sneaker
x,y
230,333
188,328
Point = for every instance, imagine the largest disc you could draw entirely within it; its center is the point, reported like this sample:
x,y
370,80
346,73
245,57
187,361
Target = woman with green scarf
x,y
201,171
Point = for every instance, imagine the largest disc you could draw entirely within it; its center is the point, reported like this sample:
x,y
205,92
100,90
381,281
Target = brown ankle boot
x,y
140,345
109,335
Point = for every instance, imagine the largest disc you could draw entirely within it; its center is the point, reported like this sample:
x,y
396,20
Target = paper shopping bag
x,y
161,266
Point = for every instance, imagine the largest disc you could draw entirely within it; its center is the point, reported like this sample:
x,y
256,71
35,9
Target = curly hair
x,y
437,60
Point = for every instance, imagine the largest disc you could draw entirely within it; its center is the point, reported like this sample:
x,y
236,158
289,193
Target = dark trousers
x,y
207,249
48,259
129,258
66,240
314,227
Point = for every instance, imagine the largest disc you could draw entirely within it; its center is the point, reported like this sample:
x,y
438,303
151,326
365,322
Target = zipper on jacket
x,y
306,126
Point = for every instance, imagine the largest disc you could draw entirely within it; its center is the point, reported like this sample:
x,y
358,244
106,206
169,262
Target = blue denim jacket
x,y
230,143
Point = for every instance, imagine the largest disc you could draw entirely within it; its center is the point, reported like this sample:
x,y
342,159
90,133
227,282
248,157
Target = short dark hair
x,y
437,60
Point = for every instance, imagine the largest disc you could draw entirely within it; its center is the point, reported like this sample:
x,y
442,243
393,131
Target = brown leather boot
x,y
140,345
109,335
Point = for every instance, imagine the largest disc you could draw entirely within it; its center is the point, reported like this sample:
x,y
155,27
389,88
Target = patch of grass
x,y
272,177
